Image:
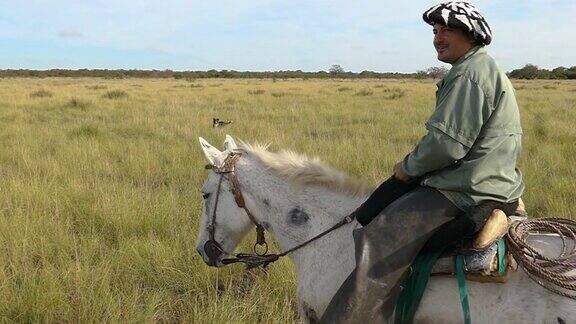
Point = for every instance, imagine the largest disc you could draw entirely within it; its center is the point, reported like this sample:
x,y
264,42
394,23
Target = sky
x,y
266,35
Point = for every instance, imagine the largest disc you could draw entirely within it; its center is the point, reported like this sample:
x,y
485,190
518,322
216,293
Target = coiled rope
x,y
550,273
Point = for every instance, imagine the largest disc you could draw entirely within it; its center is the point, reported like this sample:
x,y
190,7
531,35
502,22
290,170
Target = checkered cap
x,y
461,15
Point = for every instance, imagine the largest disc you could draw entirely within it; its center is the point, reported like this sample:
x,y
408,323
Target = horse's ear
x,y
229,143
214,156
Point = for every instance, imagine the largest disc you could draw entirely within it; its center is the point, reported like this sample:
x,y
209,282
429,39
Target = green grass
x,y
41,94
78,103
364,92
256,91
100,201
115,94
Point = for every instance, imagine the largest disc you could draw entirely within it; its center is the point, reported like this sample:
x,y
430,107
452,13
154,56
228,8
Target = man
x,y
462,169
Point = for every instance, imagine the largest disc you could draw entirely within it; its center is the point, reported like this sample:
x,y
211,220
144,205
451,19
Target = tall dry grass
x,y
100,201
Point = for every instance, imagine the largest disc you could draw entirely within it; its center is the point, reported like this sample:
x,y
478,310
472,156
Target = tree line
x,y
190,75
529,71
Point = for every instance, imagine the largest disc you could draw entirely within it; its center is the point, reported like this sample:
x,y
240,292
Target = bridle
x,y
213,249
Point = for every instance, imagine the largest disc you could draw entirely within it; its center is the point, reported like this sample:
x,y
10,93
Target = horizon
x,y
267,36
236,71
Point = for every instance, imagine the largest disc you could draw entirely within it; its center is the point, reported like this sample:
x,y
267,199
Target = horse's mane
x,y
301,169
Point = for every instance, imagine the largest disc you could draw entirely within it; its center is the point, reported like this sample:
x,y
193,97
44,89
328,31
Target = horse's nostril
x,y
212,250
211,263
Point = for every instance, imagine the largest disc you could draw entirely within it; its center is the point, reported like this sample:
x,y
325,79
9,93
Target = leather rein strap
x,y
256,258
239,198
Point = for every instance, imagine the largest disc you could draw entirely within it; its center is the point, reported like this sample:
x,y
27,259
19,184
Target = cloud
x,y
69,34
277,35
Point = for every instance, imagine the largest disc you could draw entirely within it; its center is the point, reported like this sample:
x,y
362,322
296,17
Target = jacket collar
x,y
474,50
470,53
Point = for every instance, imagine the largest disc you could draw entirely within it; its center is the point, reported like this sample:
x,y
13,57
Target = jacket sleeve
x,y
461,110
435,151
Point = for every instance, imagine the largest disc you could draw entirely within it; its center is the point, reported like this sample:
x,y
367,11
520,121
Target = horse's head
x,y
223,224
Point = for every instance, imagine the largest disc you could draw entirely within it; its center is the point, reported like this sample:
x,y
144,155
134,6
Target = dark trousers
x,y
392,189
400,220
385,249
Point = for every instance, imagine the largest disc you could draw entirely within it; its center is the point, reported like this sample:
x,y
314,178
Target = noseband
x,y
213,249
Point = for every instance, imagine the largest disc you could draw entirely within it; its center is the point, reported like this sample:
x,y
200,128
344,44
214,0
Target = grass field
x,y
100,184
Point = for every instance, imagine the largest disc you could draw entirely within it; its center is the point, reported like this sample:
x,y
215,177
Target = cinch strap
x,y
501,257
462,288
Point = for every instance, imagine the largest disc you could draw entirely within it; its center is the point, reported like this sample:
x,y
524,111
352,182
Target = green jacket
x,y
474,136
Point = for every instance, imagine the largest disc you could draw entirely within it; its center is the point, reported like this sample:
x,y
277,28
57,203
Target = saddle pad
x,y
481,262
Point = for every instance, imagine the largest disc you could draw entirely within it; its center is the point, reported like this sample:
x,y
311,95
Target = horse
x,y
294,198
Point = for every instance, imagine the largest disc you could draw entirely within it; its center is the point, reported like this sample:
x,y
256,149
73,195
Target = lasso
x,y
547,272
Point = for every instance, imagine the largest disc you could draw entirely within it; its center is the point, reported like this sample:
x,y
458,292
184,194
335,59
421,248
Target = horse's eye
x,y
205,195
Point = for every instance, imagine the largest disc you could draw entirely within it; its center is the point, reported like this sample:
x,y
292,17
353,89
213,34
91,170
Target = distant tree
x,y
529,71
571,73
437,72
336,69
421,74
544,74
559,72
368,74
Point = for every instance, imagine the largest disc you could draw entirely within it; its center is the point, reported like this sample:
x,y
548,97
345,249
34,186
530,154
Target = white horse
x,y
294,198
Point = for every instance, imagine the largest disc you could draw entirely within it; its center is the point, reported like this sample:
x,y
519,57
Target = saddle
x,y
482,258
481,252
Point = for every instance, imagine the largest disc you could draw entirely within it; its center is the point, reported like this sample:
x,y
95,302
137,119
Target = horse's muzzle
x,y
213,252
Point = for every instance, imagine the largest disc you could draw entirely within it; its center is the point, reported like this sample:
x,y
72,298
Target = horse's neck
x,y
295,214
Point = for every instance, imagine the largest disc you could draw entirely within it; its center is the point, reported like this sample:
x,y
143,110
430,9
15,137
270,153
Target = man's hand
x,y
400,174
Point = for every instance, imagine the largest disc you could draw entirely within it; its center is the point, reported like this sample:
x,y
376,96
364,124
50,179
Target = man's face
x,y
450,43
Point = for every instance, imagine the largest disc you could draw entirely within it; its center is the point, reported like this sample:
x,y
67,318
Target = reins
x,y
254,259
